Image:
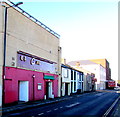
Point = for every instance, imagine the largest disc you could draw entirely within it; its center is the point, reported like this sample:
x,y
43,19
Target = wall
x,y
66,75
105,64
93,69
12,84
87,82
100,74
66,78
25,35
100,61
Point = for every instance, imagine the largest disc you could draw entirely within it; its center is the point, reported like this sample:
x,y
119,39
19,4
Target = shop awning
x,y
49,77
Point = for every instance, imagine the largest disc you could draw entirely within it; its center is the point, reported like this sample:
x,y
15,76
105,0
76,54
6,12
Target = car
x,y
117,88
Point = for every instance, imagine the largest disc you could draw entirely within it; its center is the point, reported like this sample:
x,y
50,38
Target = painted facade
x,y
28,85
105,64
77,83
89,83
72,80
33,58
100,74
88,78
97,69
66,80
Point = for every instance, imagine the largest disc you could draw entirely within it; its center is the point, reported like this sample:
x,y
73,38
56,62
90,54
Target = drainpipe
x,y
4,53
33,87
59,71
4,48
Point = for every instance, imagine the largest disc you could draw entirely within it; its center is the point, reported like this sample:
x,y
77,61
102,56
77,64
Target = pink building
x,y
29,85
32,58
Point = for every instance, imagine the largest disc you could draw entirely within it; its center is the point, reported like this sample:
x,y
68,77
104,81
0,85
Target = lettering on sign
x,y
37,62
23,58
33,62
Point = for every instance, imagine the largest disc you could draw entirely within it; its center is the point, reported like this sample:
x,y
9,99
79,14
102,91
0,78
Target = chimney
x,y
63,61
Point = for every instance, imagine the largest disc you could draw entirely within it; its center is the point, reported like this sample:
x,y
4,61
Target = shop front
x,y
29,81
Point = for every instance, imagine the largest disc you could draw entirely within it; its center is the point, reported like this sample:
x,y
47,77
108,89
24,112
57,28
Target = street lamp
x,y
4,50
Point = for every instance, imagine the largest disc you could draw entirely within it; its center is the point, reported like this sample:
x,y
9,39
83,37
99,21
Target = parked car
x,y
117,88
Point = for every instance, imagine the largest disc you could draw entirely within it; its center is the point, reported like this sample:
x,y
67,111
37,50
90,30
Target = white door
x,y
23,91
50,89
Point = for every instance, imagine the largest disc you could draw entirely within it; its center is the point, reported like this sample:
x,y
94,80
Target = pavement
x,y
27,105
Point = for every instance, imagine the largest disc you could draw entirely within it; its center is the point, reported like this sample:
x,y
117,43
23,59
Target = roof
x,y
32,18
82,62
84,70
70,67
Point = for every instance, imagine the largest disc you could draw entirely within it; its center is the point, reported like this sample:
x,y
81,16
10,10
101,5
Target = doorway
x,y
66,88
23,91
48,90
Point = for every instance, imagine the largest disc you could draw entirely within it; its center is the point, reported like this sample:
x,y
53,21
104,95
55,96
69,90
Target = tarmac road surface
x,y
95,104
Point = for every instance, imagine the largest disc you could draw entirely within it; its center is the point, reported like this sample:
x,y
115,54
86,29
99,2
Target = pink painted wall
x,y
14,75
55,86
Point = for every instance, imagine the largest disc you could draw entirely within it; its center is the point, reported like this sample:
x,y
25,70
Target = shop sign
x,y
35,64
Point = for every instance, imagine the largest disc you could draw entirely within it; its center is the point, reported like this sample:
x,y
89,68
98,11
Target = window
x,y
74,86
39,86
66,73
74,75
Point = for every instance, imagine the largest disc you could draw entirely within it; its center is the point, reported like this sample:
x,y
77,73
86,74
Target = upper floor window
x,y
74,75
66,73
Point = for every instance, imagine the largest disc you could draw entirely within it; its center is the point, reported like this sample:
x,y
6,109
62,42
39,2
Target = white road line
x,y
108,111
15,114
56,109
99,94
49,111
71,105
40,114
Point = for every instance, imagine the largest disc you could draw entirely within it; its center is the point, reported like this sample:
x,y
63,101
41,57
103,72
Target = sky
x,y
88,28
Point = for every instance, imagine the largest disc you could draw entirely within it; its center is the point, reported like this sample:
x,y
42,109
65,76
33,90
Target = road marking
x,y
71,105
108,111
40,114
15,114
61,107
99,94
49,111
56,109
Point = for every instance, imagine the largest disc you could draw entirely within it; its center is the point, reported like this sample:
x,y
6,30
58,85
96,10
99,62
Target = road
x,y
92,104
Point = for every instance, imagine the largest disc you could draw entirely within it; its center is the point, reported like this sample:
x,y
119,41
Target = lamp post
x,y
4,48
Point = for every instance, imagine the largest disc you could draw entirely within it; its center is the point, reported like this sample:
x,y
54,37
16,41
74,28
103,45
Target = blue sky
x,y
89,30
